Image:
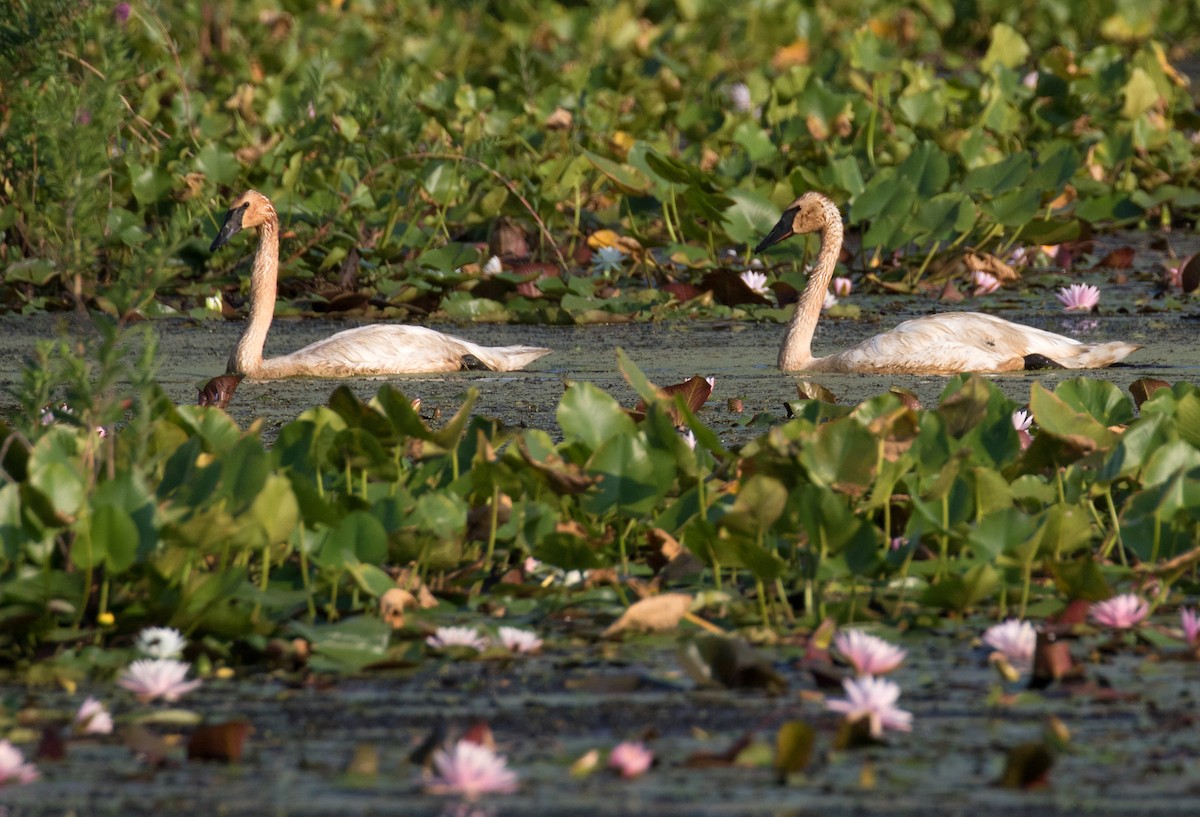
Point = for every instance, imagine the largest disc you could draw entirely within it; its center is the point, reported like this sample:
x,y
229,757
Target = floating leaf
x,y
223,742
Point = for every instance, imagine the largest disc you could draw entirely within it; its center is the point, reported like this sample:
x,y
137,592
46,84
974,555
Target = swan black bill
x,y
232,225
783,229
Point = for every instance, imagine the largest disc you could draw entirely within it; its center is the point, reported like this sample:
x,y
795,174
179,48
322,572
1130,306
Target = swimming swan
x,y
936,344
377,349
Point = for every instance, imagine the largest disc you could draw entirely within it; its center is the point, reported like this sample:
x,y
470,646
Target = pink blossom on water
x,y
457,637
985,283
471,770
13,768
868,654
630,758
518,640
1120,612
1014,639
874,699
152,678
1079,297
93,719
1191,626
1021,420
842,286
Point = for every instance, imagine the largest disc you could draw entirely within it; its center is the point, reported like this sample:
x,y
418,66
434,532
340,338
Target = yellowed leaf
x,y
655,614
392,605
791,55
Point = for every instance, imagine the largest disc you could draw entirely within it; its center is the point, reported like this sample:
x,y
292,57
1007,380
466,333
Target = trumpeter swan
x,y
936,344
378,349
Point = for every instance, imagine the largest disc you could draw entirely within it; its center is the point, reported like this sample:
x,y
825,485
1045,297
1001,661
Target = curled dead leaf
x,y
986,262
392,605
655,614
219,391
814,391
561,119
695,392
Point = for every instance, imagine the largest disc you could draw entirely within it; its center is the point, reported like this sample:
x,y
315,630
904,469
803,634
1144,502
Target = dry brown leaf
x,y
655,614
561,119
986,262
1120,258
223,742
790,56
392,605
408,579
808,390
219,391
695,390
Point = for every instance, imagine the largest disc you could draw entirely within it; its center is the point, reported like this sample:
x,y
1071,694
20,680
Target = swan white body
x,y
378,349
936,344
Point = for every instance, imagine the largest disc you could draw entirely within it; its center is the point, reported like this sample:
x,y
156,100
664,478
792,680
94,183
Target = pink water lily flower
x,y
985,283
1014,639
519,641
471,770
868,654
457,637
1191,626
1079,297
93,719
875,699
152,678
630,758
13,768
1021,420
842,286
1120,612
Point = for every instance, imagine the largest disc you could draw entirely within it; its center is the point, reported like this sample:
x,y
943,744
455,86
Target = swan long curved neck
x,y
796,351
247,357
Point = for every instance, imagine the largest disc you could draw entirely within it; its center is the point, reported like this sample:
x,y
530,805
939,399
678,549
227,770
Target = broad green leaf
x,y
588,415
1008,48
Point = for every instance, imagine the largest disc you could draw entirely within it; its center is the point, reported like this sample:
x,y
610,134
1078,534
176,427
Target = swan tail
x,y
1100,355
504,358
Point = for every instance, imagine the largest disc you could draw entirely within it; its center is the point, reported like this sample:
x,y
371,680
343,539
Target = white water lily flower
x,y
13,768
457,637
608,260
518,640
493,266
151,678
1021,420
874,699
1015,640
830,301
160,642
471,770
756,281
93,719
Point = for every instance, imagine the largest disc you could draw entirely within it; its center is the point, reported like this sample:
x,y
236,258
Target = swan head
x,y
807,214
249,210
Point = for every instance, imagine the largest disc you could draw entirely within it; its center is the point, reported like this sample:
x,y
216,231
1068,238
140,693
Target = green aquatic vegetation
x,y
175,516
400,140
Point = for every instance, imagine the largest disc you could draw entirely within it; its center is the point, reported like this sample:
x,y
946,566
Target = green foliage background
x,y
382,130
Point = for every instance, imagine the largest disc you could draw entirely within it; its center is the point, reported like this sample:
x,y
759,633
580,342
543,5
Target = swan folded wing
x,y
973,342
381,349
